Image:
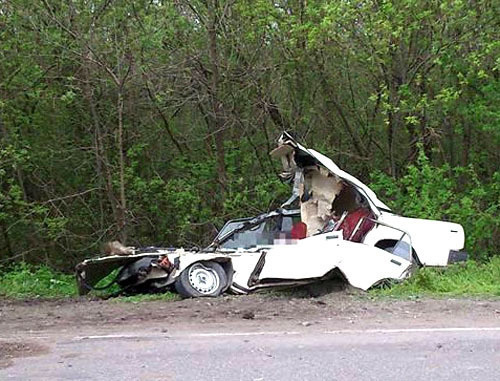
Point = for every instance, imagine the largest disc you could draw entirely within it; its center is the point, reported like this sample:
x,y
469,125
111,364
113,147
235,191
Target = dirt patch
x,y
12,349
341,308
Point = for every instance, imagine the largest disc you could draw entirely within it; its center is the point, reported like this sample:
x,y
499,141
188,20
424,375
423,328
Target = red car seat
x,y
352,219
299,230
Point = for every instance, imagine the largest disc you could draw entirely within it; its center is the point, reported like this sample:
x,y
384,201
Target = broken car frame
x,y
341,229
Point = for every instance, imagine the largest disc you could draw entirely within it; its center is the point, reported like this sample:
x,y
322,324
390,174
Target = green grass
x,y
461,280
26,282
165,296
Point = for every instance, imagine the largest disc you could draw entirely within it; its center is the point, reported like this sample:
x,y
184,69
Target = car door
x,y
362,265
311,257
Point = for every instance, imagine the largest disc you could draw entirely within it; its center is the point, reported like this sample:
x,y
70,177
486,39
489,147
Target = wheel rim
x,y
203,279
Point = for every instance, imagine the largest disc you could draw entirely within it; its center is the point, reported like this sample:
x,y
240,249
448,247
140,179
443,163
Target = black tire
x,y
190,282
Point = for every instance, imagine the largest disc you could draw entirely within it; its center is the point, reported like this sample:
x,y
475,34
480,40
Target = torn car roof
x,y
287,144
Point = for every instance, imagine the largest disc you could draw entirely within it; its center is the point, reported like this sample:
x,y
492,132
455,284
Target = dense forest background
x,y
151,121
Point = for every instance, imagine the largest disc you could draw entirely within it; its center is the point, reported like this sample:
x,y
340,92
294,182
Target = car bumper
x,y
457,256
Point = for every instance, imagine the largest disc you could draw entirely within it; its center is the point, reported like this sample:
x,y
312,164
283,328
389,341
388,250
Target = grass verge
x,y
461,280
164,296
24,281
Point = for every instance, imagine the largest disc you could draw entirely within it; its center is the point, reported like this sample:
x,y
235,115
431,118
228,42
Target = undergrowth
x,y
24,281
465,279
447,194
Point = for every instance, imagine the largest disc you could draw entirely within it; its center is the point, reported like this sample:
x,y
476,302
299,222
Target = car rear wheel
x,y
201,279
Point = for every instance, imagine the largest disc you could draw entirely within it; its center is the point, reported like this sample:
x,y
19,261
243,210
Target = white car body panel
x,y
315,256
311,258
432,240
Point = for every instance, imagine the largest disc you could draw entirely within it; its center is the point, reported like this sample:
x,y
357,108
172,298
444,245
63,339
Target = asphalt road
x,y
305,353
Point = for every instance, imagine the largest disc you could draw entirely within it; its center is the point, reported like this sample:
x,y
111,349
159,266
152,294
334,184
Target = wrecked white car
x,y
338,228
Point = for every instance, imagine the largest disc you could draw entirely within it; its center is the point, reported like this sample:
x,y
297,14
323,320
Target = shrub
x,y
452,194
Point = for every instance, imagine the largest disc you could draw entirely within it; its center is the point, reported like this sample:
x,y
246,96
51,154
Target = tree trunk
x,y
390,144
216,105
104,178
451,140
122,205
466,144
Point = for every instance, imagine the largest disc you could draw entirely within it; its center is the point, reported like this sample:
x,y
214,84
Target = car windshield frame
x,y
247,224
225,229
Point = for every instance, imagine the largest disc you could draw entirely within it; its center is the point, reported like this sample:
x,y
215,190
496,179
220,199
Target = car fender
x,y
238,265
